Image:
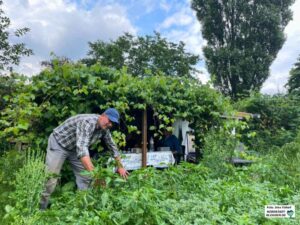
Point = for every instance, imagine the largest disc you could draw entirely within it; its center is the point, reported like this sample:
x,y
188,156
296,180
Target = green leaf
x,y
23,125
104,199
8,208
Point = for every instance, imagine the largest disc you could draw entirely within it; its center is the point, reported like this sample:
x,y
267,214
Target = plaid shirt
x,y
81,131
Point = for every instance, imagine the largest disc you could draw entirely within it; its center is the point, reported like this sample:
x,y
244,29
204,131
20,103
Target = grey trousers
x,y
55,158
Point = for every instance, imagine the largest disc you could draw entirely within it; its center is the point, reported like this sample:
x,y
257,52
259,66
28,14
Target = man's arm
x,y
118,162
112,146
83,133
121,170
87,163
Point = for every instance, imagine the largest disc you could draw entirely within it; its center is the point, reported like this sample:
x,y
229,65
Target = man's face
x,y
104,122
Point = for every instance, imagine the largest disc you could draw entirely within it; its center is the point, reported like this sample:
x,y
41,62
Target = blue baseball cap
x,y
112,114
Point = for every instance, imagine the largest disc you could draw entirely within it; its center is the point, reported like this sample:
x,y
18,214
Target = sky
x,y
65,27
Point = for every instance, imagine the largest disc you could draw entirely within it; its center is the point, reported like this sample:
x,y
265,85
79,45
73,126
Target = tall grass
x,y
29,184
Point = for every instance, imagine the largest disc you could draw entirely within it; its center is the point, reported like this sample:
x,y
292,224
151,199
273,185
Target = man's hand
x,y
123,172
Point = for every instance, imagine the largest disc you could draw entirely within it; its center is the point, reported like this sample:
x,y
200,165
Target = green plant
x,y
29,184
11,161
219,147
185,194
278,123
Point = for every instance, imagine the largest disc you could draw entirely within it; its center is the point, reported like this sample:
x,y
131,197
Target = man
x,y
171,141
71,141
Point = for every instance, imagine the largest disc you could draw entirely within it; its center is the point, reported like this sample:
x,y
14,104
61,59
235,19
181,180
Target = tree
x,y
10,53
55,60
8,85
243,38
293,84
143,55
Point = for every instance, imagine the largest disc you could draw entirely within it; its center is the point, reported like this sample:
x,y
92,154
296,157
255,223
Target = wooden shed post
x,y
144,147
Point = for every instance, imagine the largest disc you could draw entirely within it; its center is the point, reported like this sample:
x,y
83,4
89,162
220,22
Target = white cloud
x,y
181,18
274,84
164,5
30,66
60,26
184,26
204,76
149,5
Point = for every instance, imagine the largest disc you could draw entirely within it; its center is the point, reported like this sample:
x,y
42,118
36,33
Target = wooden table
x,y
161,159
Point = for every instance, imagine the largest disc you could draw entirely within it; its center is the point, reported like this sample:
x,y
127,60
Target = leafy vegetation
x,y
186,194
293,83
213,192
40,103
158,78
29,183
11,162
278,123
144,56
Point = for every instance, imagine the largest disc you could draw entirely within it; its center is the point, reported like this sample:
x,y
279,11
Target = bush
x,y
218,150
279,122
281,166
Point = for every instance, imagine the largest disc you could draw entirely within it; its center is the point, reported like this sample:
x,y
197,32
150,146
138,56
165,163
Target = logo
x,y
280,211
290,213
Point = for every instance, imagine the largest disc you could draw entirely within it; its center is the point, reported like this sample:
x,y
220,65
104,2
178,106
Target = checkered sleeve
x,y
111,144
84,132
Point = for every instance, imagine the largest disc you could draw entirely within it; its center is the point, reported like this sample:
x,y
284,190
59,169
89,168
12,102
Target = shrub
x,y
279,122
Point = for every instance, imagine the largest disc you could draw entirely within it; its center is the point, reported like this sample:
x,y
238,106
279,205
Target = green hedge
x,y
40,103
279,122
